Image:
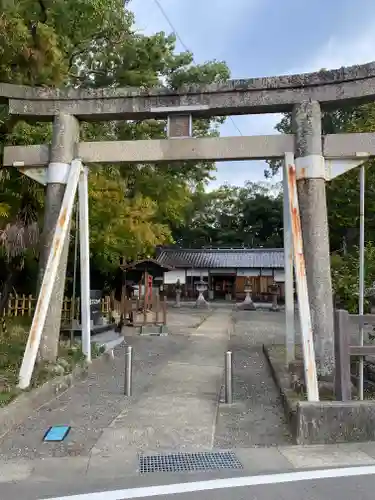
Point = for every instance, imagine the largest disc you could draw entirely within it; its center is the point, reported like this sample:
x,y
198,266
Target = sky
x,y
264,38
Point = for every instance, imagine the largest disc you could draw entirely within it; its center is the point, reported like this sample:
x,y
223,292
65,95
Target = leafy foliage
x,y
345,277
12,347
90,44
249,216
343,204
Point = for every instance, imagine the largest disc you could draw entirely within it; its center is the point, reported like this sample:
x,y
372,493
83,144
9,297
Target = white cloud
x,y
205,30
334,54
221,27
337,52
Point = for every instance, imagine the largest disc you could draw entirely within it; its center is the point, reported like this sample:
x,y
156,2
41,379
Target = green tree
x,y
89,44
92,43
343,191
345,278
249,216
343,205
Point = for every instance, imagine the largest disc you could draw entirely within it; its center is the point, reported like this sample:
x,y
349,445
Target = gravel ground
x,y
92,404
256,418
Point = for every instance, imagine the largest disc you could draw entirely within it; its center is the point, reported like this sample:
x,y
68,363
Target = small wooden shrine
x,y
142,295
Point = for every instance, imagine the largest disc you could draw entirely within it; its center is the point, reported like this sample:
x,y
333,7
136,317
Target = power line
x,y
166,17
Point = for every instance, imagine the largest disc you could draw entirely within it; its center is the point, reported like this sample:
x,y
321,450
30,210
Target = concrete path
x,y
179,409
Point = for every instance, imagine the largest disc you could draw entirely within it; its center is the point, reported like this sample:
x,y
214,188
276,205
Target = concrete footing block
x,y
332,422
323,422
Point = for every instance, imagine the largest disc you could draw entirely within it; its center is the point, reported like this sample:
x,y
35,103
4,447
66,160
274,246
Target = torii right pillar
x,y
310,170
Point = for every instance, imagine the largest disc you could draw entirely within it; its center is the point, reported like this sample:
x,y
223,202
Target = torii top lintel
x,y
355,84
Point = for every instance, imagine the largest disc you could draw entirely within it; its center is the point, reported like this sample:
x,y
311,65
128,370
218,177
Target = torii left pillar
x,y
63,150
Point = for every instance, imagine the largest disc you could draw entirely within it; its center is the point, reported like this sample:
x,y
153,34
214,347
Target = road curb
x,y
290,405
230,330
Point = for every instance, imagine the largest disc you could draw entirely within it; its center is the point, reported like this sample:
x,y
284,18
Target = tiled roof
x,y
143,263
220,258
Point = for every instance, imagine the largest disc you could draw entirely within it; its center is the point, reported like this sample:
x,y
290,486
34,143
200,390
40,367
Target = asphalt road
x,y
325,484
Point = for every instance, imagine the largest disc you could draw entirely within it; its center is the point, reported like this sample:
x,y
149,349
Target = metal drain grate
x,y
184,462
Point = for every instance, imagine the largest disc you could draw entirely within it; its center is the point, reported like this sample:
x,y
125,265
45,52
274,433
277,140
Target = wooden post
x,y
342,356
23,304
16,305
145,299
123,299
165,311
30,306
108,307
150,290
145,282
72,309
130,312
157,307
78,309
9,308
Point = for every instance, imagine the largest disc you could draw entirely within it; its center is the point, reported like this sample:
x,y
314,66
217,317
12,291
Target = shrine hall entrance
x,y
223,286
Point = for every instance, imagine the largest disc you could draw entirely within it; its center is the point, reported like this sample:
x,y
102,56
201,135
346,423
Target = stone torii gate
x,y
310,160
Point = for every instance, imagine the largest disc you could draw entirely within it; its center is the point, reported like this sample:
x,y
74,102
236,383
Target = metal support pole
x,y
301,281
228,378
128,370
73,305
44,299
361,269
288,268
85,263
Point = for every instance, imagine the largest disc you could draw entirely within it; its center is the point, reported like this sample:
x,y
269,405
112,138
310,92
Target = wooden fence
x,y
24,305
344,350
138,312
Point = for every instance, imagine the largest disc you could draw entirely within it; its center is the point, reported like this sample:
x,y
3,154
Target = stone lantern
x,y
274,288
178,294
248,304
201,287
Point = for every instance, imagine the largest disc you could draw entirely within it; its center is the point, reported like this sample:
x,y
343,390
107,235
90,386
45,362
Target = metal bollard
x,y
128,370
228,378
